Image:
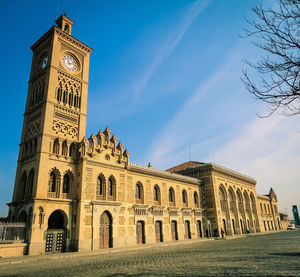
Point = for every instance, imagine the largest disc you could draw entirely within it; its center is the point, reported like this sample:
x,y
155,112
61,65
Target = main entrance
x,y
174,230
158,231
56,234
105,239
140,232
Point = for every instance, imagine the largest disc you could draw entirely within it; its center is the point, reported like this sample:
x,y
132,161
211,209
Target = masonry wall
x,y
126,210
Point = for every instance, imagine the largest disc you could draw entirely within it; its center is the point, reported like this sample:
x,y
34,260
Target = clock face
x,y
69,62
44,61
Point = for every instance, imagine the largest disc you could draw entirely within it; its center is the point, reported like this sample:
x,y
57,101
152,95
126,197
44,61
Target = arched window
x,y
67,28
112,188
29,152
247,202
100,190
269,210
156,195
65,96
30,182
59,94
71,99
25,150
223,200
71,149
52,187
78,102
139,193
34,146
66,183
56,147
64,148
231,198
265,208
184,198
54,183
240,201
261,208
196,199
171,197
23,185
75,101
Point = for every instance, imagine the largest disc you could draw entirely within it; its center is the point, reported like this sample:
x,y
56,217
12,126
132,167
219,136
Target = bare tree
x,y
277,32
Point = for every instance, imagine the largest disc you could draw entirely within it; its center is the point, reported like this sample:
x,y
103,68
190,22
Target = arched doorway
x,y
140,232
187,226
56,232
105,236
199,229
233,226
158,231
242,226
224,225
174,230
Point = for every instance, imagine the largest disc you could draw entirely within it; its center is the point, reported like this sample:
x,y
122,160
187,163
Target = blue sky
x,y
163,75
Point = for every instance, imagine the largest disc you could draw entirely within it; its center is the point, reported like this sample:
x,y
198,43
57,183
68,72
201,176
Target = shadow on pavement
x,y
294,254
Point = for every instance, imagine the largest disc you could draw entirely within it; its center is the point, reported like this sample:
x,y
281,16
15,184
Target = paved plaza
x,y
275,254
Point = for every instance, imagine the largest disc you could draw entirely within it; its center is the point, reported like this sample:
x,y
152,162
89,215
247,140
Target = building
x,y
284,220
296,214
80,194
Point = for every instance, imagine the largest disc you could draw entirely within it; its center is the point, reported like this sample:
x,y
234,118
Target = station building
x,y
77,193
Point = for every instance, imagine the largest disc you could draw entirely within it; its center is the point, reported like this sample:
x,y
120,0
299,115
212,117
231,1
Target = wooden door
x,y
158,231
55,241
199,230
174,230
187,234
105,231
104,236
140,232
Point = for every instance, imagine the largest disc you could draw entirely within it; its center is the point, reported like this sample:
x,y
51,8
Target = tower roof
x,y
64,23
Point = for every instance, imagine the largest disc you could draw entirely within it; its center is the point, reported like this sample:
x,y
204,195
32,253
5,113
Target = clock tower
x,y
54,123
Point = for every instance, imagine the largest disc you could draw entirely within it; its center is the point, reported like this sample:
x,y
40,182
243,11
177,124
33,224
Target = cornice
x,y
72,40
106,203
55,200
220,169
141,206
162,174
64,35
32,200
263,197
60,105
43,38
91,162
232,173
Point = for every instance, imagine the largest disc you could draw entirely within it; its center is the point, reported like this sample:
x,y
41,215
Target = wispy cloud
x,y
268,149
196,120
170,44
227,131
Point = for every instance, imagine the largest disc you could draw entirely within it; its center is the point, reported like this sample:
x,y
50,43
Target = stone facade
x,y
80,194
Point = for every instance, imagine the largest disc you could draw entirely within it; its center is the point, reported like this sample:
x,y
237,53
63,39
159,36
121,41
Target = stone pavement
x,y
274,254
